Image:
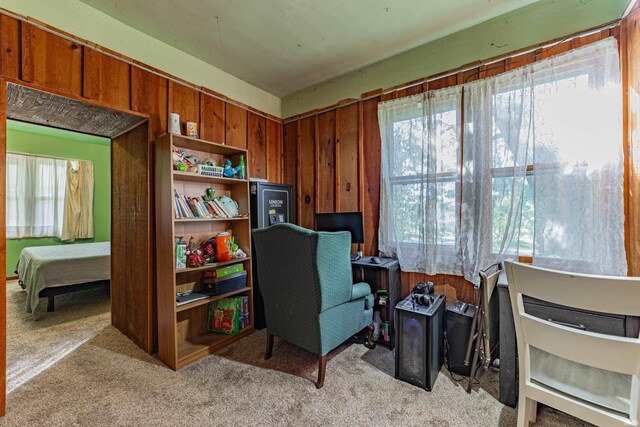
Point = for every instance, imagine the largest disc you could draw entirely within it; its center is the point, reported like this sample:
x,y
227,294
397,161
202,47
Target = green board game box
x,y
230,269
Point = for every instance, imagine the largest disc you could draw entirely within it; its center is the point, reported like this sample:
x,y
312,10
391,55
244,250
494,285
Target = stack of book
x,y
197,207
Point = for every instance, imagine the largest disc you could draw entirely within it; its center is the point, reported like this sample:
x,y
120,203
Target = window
x,y
421,175
35,196
545,177
538,172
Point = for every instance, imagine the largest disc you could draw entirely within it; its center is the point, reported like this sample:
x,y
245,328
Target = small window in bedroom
x,y
35,196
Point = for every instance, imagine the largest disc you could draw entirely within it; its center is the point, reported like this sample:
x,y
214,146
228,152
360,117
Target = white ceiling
x,y
283,46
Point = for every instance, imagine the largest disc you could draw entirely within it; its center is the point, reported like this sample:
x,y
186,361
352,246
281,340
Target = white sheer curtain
x,y
419,200
35,196
543,165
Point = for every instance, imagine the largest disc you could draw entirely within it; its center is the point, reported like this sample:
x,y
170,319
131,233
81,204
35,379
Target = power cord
x,y
456,377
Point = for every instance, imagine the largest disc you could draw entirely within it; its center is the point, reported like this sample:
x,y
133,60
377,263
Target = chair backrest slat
x,y
583,347
580,290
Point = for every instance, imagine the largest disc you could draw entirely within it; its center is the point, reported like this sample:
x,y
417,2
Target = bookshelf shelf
x,y
188,143
196,177
206,343
182,331
212,265
210,299
238,218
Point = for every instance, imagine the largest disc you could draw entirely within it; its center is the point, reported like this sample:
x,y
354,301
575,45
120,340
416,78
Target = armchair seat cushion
x,y
360,290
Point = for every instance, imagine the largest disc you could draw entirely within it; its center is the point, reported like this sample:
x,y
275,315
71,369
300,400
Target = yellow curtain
x,y
78,209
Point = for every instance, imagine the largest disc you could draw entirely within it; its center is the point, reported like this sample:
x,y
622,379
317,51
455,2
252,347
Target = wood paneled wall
x,y
51,62
345,175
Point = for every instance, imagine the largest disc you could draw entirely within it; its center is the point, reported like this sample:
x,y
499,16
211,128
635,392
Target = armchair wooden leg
x,y
322,367
269,351
370,344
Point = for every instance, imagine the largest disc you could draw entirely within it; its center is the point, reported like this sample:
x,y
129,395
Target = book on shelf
x,y
197,207
223,210
193,207
187,297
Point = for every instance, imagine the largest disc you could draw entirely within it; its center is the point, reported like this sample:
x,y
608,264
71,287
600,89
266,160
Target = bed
x,y
47,271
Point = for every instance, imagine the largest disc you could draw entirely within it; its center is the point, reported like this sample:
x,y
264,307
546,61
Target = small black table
x,y
383,276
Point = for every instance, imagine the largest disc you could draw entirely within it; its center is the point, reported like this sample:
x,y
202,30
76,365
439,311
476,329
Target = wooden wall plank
x,y
347,165
290,154
556,49
184,101
443,82
274,151
149,96
325,161
257,145
371,175
236,122
10,47
132,304
454,287
106,79
212,118
51,61
412,90
306,172
630,66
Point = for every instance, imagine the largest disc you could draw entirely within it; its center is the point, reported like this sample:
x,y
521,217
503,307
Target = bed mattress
x,y
52,266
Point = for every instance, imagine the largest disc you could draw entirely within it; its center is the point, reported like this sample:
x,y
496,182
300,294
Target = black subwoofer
x,y
419,341
459,320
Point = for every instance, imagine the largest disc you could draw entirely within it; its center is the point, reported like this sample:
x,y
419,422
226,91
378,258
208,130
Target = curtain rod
x,y
462,70
42,156
131,63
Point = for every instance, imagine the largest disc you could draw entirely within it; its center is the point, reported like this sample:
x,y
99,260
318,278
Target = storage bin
x,y
226,284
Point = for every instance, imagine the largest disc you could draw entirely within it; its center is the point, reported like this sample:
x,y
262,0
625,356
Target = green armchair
x,y
309,296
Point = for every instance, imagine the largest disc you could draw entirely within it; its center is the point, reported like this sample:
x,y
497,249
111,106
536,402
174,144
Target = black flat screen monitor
x,y
342,221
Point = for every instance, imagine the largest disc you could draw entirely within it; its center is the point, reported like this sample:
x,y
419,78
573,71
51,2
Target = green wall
x,y
28,138
536,23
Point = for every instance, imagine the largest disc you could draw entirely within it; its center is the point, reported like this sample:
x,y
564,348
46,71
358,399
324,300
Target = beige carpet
x,y
107,380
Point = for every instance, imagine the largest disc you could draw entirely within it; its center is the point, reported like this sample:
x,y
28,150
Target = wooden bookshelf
x,y
182,331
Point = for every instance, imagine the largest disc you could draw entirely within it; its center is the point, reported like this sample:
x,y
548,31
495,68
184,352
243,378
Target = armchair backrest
x,y
618,356
301,273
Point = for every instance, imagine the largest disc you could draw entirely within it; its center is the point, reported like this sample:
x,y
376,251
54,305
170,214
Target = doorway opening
x,y
99,203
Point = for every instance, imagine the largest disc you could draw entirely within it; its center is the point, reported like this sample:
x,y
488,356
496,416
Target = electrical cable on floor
x,y
455,377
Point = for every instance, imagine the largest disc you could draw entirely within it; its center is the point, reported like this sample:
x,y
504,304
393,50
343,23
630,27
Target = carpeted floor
x,y
101,378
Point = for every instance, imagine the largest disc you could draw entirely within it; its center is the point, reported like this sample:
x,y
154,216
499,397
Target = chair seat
x,y
610,390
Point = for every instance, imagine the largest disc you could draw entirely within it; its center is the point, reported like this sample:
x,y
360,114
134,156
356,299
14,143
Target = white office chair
x,y
613,399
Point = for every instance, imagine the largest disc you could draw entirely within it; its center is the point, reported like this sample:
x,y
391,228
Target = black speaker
x,y
419,341
459,318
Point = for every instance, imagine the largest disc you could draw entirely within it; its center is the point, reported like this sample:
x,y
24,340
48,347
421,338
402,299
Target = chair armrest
x,y
360,290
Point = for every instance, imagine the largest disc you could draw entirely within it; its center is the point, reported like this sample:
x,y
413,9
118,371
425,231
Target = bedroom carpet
x,y
104,379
